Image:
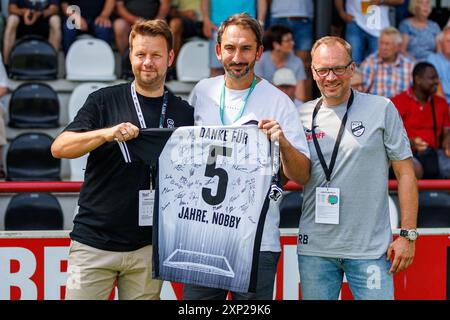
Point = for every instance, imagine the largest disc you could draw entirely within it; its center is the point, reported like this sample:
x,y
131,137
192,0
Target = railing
x,y
74,186
393,185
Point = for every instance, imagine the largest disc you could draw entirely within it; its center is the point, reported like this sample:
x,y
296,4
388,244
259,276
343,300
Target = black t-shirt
x,y
147,9
108,213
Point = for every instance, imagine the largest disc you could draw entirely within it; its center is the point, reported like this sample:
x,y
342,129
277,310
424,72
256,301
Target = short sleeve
x,y
395,138
292,127
404,27
88,117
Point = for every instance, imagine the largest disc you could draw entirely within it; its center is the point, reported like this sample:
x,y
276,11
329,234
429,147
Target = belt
x,y
297,18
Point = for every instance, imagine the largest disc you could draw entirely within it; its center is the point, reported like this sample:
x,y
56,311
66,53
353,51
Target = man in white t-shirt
x,y
239,96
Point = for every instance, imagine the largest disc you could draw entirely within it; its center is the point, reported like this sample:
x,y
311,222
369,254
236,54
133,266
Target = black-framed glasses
x,y
338,70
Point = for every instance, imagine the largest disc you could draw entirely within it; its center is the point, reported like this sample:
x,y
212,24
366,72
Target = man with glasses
x,y
345,226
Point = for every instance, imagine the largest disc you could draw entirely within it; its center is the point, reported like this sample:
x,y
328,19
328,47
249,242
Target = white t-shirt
x,y
375,20
265,102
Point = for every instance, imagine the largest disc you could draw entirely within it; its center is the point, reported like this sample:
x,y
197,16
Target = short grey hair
x,y
393,32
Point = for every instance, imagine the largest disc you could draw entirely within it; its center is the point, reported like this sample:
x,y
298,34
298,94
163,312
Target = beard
x,y
150,81
248,66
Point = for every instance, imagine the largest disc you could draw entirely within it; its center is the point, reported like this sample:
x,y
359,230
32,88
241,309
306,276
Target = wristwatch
x,y
411,234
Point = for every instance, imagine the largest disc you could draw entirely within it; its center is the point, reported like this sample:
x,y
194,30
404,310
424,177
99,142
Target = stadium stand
x,y
192,61
90,60
29,159
434,209
33,58
34,211
34,105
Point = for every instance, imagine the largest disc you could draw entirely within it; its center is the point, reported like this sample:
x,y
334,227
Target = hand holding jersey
x,y
110,226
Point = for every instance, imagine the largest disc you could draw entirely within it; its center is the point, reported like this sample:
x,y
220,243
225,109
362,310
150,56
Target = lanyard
x,y
137,106
326,169
241,110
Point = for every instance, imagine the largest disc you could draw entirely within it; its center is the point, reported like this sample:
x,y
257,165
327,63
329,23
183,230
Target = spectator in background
x,y
298,16
185,21
3,91
284,79
214,12
28,17
418,32
280,42
131,11
364,24
357,82
441,62
426,119
387,72
89,16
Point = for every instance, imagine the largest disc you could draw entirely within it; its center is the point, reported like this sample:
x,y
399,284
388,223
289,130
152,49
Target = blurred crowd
x,y
401,48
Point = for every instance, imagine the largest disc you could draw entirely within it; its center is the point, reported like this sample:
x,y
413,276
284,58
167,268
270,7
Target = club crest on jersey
x,y
170,123
357,128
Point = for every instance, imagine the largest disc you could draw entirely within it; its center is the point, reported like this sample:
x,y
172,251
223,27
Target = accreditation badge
x,y
327,205
146,203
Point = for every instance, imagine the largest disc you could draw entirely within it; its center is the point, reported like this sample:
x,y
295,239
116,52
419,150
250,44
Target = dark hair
x,y
419,69
152,28
244,20
275,34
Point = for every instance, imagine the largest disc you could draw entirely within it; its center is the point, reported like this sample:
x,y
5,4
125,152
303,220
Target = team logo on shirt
x,y
357,128
170,123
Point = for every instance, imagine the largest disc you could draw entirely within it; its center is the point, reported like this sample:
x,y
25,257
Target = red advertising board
x,y
33,266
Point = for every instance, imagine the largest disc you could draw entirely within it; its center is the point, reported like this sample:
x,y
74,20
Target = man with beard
x,y
345,227
109,242
426,119
236,97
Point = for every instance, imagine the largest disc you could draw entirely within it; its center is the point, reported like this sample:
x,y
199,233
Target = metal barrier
x,y
74,186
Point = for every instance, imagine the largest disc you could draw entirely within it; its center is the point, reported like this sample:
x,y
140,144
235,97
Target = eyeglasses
x,y
338,70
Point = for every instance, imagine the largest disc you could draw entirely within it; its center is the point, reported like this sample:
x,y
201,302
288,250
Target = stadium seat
x,y
29,159
192,61
33,211
291,209
79,96
33,58
34,105
77,99
127,72
434,209
90,60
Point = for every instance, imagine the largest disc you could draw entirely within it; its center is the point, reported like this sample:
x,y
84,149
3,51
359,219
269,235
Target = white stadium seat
x,y
192,61
90,60
79,96
77,99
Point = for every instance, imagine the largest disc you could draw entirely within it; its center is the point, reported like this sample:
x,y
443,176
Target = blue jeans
x,y
267,268
69,35
369,279
358,38
302,31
